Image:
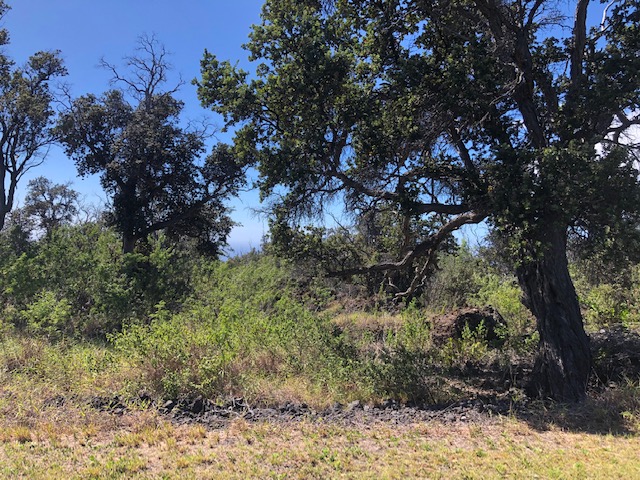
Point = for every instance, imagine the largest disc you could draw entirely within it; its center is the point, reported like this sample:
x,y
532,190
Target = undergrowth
x,y
250,326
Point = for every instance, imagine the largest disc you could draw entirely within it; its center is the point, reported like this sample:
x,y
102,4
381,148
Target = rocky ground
x,y
211,415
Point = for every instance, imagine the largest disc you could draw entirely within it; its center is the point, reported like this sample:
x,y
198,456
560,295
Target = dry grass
x,y
42,439
373,322
143,445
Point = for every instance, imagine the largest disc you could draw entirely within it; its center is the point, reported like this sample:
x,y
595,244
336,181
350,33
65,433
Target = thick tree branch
x,y
579,42
419,250
463,151
513,40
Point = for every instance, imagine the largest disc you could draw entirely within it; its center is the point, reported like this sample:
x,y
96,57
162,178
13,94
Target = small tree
x,y
26,116
50,205
456,111
147,161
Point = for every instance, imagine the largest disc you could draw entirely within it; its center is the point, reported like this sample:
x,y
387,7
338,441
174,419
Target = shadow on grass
x,y
613,405
615,411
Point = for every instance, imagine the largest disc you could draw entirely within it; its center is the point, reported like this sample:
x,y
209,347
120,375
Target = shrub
x,y
48,315
241,325
504,294
604,305
471,347
455,281
83,267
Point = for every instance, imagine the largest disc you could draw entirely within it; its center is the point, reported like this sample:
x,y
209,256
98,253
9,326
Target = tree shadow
x,y
615,412
613,403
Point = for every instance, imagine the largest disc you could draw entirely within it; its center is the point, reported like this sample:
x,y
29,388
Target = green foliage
x,y
446,114
48,315
608,299
148,162
182,324
242,323
504,294
415,333
455,281
62,367
407,374
50,205
409,112
604,306
82,269
471,347
26,98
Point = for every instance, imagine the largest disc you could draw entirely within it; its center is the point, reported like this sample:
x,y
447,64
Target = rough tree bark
x,y
128,244
563,365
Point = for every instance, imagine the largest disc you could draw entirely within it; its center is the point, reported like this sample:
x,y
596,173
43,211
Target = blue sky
x,y
87,30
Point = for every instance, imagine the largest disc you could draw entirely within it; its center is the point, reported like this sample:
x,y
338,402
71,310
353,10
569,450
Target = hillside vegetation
x,y
94,343
80,316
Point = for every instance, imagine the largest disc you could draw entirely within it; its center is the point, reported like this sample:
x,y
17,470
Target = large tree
x,y
26,116
148,161
511,112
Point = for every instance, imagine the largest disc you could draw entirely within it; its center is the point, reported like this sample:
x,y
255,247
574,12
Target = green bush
x,y
455,281
48,315
83,266
408,375
604,306
606,303
241,324
471,347
504,294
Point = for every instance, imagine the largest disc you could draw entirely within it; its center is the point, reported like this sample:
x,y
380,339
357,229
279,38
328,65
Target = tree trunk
x,y
564,359
128,243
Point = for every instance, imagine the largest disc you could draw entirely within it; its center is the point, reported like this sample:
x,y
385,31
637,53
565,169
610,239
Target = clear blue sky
x,y
87,30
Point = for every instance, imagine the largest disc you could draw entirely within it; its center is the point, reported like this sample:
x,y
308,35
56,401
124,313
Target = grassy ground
x,y
76,444
48,430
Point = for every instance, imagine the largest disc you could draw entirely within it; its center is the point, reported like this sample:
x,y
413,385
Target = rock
x,y
145,398
197,406
239,404
168,405
453,324
389,404
113,405
355,405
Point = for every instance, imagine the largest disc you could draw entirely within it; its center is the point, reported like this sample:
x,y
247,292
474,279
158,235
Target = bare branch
x,y
147,72
605,13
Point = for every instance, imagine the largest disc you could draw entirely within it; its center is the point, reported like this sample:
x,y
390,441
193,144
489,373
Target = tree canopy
x,y
50,205
147,160
455,112
26,116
